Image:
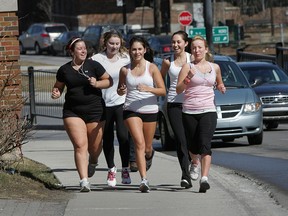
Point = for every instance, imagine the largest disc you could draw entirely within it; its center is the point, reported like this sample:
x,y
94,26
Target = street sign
x,y
185,18
220,33
196,31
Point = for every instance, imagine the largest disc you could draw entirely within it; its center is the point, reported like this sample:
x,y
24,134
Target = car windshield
x,y
265,74
231,76
56,29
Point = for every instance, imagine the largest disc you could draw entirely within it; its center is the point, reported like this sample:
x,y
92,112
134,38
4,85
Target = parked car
x,y
239,110
161,44
39,36
92,34
58,46
270,83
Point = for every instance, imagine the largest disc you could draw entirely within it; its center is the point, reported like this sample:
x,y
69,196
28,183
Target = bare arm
x,y
219,82
122,89
164,68
159,88
104,82
184,78
57,89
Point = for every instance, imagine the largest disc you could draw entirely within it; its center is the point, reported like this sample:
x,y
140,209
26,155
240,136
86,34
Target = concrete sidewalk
x,y
230,194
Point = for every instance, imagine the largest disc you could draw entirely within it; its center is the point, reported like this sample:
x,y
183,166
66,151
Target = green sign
x,y
196,31
220,33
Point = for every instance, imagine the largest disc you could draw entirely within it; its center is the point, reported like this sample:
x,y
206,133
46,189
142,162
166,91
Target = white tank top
x,y
173,72
136,101
110,95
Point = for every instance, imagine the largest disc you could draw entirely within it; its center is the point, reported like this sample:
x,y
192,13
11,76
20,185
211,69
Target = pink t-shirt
x,y
199,93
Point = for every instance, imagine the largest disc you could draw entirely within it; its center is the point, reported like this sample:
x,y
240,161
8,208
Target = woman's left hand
x,y
221,88
143,88
93,81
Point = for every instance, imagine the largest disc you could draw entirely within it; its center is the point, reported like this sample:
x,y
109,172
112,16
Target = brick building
x,y
9,53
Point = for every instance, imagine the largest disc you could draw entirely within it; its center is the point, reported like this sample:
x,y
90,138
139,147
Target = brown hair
x,y
71,44
149,55
208,56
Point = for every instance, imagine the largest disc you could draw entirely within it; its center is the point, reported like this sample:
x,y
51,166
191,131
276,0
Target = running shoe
x,y
111,177
91,169
125,176
185,183
149,160
204,185
194,171
84,186
144,186
133,166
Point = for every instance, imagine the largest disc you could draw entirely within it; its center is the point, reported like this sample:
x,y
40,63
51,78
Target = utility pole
x,y
157,20
124,12
208,24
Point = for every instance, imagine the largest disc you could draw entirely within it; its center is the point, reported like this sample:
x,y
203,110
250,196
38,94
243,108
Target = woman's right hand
x,y
122,90
55,93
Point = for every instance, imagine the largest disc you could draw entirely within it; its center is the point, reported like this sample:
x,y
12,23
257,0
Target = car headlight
x,y
252,107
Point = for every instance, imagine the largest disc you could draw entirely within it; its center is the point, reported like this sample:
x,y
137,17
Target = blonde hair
x,y
208,56
114,33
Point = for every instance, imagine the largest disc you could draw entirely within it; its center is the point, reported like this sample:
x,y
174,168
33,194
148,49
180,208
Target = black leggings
x,y
199,130
174,111
115,115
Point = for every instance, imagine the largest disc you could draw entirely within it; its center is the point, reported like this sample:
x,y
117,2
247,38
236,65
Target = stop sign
x,y
185,18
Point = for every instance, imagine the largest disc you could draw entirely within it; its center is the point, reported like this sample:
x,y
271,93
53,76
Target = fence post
x,y
279,54
239,51
32,95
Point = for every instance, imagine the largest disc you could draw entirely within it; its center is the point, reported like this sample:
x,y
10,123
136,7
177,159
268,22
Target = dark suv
x,y
270,83
92,34
39,37
239,110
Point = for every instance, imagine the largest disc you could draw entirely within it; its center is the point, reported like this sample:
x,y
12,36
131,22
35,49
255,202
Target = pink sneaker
x,y
111,177
125,176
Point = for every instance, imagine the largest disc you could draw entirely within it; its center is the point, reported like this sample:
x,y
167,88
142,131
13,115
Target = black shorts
x,y
149,117
87,118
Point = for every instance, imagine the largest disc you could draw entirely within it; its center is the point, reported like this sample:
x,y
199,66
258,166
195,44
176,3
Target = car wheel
x,y
22,49
166,140
271,125
256,139
37,49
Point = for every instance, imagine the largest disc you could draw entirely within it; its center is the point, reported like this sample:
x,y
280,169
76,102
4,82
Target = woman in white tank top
x,y
172,67
142,83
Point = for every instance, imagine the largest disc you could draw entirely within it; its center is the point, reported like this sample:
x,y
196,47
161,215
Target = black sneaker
x,y
149,160
186,184
133,166
204,185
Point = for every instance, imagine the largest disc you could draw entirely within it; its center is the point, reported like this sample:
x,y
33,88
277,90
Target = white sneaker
x,y
125,176
204,185
194,171
111,177
84,185
144,186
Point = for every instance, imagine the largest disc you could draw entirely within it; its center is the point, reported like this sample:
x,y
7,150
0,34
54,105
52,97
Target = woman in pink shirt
x,y
197,80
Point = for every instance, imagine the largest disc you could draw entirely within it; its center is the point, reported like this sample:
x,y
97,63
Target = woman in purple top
x,y
197,80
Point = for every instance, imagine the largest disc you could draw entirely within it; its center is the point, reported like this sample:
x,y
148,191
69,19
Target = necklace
x,y
80,69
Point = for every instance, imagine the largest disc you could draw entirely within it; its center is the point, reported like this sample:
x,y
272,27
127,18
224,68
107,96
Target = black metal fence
x,y
36,87
280,58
